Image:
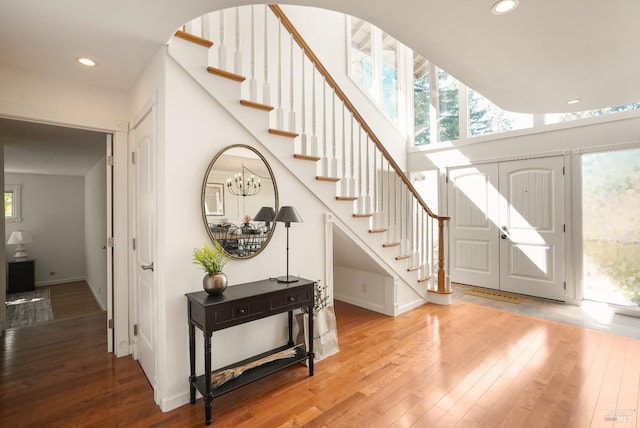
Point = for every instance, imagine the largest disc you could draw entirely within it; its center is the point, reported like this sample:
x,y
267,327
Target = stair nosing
x,y
282,133
193,39
329,179
306,157
258,106
226,74
390,244
346,198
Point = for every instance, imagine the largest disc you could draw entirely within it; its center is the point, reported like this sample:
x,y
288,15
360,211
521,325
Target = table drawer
x,y
291,298
238,312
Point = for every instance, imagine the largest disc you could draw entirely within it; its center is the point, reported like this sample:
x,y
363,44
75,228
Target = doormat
x,y
28,308
495,295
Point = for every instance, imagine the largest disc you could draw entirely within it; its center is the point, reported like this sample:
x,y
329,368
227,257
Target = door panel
x,y
532,221
143,252
473,199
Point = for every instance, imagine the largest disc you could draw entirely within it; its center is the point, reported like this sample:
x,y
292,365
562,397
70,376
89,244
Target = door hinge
x,y
446,177
110,160
135,329
565,285
110,323
133,157
110,242
564,228
562,170
134,243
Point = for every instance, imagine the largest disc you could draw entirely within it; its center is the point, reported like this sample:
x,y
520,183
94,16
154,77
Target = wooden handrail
x,y
332,83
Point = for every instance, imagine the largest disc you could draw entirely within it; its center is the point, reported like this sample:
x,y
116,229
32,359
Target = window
x,y
486,118
449,106
421,101
390,77
12,203
567,117
361,54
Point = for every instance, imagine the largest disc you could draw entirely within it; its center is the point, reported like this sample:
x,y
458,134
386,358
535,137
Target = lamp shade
x,y
288,215
19,237
266,214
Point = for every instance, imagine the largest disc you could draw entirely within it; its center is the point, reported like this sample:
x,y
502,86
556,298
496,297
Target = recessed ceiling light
x,y
504,6
87,61
574,101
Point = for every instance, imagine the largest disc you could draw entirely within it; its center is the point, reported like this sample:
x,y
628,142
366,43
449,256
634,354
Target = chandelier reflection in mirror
x,y
242,186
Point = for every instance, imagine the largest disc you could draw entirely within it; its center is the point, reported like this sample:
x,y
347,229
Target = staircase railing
x,y
332,132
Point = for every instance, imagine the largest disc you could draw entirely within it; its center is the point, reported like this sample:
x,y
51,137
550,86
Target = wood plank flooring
x,y
458,366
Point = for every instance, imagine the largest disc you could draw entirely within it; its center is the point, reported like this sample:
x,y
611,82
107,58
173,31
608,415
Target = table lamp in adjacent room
x,y
288,215
19,238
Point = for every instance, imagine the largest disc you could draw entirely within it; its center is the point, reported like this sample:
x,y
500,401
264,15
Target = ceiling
x,y
531,60
35,148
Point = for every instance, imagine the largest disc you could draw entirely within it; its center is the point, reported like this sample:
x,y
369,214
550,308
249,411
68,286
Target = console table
x,y
240,304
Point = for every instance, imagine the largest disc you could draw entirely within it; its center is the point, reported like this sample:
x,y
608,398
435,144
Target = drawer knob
x,y
291,299
241,311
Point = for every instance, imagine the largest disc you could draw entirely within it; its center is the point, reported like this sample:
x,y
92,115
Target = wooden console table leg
x,y
192,363
310,351
208,396
290,343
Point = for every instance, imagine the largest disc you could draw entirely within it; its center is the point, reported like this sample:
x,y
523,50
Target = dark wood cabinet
x,y
21,276
240,304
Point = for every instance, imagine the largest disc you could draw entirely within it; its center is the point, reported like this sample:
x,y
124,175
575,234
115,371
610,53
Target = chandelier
x,y
241,185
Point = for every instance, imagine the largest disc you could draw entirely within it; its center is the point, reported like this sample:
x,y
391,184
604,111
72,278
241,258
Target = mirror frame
x,y
204,188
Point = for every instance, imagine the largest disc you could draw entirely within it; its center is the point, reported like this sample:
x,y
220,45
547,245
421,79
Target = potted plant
x,y
212,260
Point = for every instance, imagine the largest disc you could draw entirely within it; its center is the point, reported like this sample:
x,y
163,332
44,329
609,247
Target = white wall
x,y
95,230
53,213
195,129
358,287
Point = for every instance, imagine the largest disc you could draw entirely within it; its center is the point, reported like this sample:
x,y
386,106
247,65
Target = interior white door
x,y
532,227
473,206
507,226
143,227
109,248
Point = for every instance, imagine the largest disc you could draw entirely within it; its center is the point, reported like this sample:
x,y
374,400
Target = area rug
x,y
28,308
495,295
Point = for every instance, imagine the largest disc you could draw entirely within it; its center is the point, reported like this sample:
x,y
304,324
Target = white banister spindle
x,y
222,49
237,56
304,138
292,113
266,88
313,146
253,82
279,109
333,164
324,161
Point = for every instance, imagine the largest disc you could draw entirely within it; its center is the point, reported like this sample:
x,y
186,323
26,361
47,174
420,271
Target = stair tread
x,y
377,230
346,198
390,244
330,179
282,133
404,257
226,74
253,104
413,268
424,279
362,215
306,157
193,39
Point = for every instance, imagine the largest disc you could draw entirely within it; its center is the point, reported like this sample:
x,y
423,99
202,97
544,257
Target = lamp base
x,y
287,279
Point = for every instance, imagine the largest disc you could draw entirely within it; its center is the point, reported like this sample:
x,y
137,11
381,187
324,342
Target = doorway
x,y
507,227
64,202
611,227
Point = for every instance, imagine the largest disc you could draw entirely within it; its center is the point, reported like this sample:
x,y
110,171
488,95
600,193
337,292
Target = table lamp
x,y
288,215
19,238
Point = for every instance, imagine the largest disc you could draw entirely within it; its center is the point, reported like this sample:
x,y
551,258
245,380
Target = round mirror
x,y
239,201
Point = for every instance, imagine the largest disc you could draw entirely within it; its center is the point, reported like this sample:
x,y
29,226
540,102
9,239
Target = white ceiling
x,y
35,148
532,60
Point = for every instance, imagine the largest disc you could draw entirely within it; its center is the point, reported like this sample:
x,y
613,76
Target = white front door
x,y
532,227
507,226
143,233
473,206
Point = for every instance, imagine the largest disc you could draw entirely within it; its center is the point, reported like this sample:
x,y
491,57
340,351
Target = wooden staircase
x,y
409,236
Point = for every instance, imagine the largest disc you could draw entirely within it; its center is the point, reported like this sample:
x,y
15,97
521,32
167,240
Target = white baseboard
x,y
361,303
59,281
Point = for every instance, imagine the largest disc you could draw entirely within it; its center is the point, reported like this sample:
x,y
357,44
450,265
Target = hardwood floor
x,y
72,299
463,365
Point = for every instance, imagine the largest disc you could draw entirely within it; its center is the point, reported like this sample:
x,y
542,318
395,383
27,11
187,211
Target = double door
x,y
507,226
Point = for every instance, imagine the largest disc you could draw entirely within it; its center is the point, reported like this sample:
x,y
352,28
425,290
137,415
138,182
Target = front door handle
x,y
147,267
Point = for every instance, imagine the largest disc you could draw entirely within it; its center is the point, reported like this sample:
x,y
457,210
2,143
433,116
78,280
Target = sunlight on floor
x,y
23,301
599,311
